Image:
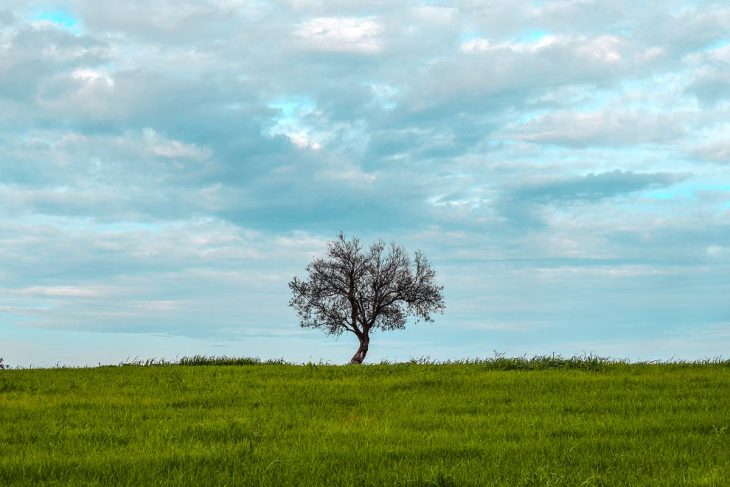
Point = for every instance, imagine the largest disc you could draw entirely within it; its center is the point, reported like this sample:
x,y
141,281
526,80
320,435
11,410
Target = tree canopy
x,y
360,290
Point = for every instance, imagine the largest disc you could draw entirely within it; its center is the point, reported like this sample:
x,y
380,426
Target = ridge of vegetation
x,y
498,362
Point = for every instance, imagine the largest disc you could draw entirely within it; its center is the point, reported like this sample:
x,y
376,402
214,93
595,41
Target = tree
x,y
357,290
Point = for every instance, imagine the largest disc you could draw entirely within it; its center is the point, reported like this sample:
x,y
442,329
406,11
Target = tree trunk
x,y
361,351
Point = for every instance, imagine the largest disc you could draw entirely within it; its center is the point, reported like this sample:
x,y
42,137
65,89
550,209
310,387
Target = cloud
x,y
716,151
32,54
341,34
61,292
692,28
7,18
609,128
711,85
91,76
533,46
58,17
179,22
174,149
595,186
712,145
529,205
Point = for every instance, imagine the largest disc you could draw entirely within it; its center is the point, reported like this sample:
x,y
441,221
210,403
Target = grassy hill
x,y
544,421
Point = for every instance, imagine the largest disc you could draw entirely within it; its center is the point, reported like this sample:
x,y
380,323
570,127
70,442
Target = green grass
x,y
545,421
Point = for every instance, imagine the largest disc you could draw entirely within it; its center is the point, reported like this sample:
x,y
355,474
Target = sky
x,y
166,167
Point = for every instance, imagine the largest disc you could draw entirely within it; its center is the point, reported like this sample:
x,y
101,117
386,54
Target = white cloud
x,y
484,45
384,95
304,140
92,76
718,251
64,291
353,176
714,143
716,151
341,34
436,14
720,53
607,127
604,48
476,45
174,149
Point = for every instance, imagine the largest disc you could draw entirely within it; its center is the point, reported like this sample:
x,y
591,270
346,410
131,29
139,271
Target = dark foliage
x,y
358,290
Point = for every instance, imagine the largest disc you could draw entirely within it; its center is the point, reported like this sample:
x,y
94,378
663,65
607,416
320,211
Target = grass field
x,y
497,422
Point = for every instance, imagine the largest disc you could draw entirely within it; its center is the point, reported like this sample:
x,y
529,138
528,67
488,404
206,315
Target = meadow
x,y
542,421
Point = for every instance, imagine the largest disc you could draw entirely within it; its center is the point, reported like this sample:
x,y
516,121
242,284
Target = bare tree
x,y
358,290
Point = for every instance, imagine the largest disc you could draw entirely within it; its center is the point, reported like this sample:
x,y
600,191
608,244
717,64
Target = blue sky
x,y
167,167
